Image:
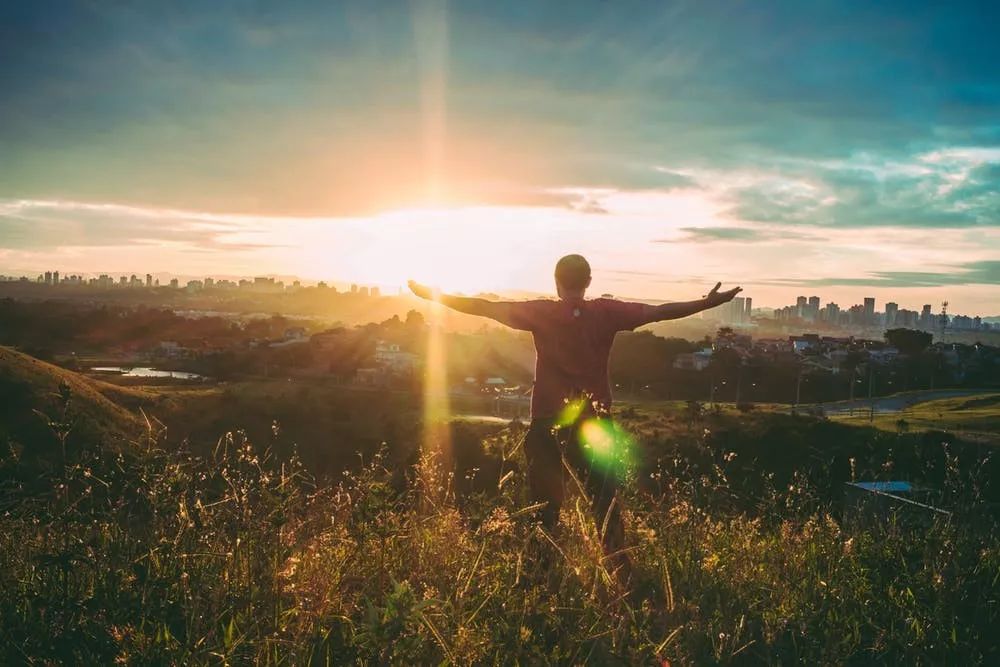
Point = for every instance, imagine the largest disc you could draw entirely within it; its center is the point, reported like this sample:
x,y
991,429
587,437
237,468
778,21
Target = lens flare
x,y
605,445
570,413
436,442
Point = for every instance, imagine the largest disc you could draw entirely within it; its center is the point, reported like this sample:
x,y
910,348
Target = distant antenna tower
x,y
944,318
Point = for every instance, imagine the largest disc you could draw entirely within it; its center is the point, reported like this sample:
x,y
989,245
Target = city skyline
x,y
808,308
786,147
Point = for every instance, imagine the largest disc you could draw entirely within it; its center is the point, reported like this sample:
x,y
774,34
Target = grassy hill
x,y
975,418
741,548
32,392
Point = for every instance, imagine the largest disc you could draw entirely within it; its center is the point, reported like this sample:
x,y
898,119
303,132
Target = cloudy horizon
x,y
838,149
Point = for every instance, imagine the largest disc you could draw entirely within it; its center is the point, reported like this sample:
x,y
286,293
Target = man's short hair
x,y
573,272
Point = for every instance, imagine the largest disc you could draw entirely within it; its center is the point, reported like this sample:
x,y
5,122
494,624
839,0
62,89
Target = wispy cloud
x,y
737,235
985,272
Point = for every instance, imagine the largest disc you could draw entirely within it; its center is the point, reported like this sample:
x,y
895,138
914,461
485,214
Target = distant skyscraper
x,y
801,304
832,311
813,310
149,280
869,310
749,306
734,311
55,277
925,316
891,312
48,277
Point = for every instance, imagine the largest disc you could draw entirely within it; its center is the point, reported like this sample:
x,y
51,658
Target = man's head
x,y
572,276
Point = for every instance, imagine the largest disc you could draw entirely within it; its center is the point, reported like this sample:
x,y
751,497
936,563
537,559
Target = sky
x,y
842,149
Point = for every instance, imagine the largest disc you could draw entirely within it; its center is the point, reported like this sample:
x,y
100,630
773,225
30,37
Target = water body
x,y
144,372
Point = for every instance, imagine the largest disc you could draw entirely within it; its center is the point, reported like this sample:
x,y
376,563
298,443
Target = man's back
x,y
573,339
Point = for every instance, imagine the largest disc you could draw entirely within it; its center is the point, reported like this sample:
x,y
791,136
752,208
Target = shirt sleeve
x,y
523,315
626,315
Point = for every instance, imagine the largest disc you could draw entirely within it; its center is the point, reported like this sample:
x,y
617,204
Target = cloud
x,y
736,235
938,189
316,108
985,272
45,224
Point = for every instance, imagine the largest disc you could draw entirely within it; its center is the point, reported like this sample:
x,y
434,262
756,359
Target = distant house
x,y
170,348
693,361
327,341
883,355
293,336
370,377
804,343
495,383
390,357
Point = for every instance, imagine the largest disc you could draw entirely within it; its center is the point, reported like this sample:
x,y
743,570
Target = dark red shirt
x,y
573,340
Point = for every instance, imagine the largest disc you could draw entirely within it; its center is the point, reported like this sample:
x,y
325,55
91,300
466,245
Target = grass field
x,y
974,418
285,523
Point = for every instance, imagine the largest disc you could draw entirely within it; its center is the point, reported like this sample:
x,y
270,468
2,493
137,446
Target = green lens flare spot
x,y
571,412
605,445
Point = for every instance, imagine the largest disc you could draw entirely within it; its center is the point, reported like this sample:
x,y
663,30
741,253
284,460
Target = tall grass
x,y
165,557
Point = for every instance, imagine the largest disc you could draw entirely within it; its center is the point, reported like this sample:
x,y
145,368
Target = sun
x,y
462,249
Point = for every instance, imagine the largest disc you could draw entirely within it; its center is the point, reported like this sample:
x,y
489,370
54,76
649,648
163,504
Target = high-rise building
x,y
748,302
869,310
174,283
55,277
149,280
925,316
48,277
801,303
832,313
891,313
812,311
734,311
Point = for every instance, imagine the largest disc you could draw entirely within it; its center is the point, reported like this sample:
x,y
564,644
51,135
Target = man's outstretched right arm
x,y
679,309
495,310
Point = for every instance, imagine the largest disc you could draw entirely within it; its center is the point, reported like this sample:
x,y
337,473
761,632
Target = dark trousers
x,y
547,478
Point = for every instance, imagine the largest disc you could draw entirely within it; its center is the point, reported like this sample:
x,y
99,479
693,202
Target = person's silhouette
x,y
573,338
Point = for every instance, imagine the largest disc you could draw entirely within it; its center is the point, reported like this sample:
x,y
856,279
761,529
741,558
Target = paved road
x,y
899,402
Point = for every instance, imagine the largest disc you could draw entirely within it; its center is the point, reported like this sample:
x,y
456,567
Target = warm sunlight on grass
x,y
436,444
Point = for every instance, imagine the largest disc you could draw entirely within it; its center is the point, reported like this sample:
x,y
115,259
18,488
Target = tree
x,y
909,341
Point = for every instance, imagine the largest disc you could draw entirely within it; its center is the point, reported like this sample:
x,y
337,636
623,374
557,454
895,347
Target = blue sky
x,y
853,147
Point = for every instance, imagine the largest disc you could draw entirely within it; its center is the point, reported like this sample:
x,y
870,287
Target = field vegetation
x,y
145,547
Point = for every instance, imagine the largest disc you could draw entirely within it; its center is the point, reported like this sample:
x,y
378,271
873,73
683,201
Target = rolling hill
x,y
30,395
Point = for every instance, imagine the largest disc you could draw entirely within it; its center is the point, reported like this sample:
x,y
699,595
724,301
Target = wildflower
x,y
498,522
710,564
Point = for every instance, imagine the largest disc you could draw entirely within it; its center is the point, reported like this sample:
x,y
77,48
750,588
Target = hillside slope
x,y
29,386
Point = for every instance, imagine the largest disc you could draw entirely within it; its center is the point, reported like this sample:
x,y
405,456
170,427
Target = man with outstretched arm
x,y
573,338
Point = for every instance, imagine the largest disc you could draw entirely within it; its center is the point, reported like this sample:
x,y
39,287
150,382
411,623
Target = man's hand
x,y
423,291
717,298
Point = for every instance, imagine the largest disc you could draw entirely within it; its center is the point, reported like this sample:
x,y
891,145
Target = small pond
x,y
144,372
